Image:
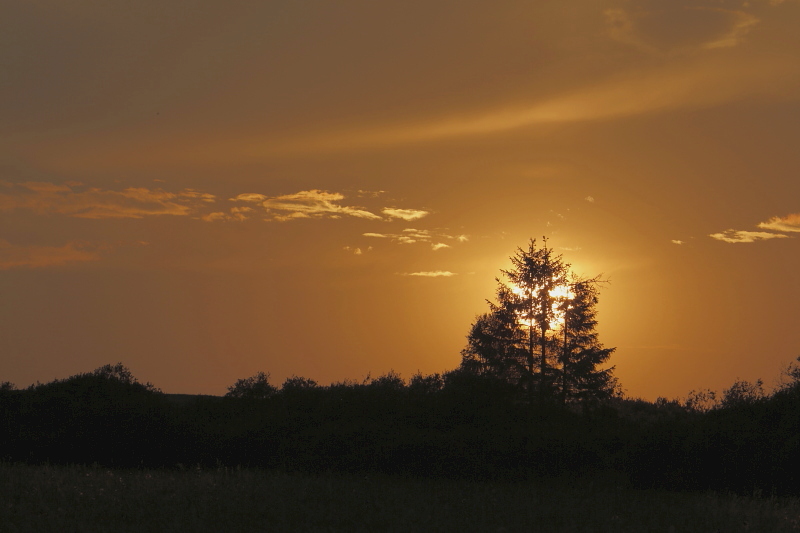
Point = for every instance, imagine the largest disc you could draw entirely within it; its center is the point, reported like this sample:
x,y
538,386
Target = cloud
x,y
74,200
589,199
696,82
788,223
433,274
676,241
17,256
306,204
677,27
218,215
737,236
249,197
405,214
413,235
739,28
356,251
238,214
408,236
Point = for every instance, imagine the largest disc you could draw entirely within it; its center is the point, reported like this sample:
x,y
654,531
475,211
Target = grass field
x,y
88,499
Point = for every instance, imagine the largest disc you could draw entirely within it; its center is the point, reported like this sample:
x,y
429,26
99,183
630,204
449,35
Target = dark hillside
x,y
459,426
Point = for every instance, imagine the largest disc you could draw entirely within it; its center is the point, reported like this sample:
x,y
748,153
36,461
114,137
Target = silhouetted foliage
x,y
296,383
790,377
253,388
458,424
105,416
389,381
743,393
430,384
541,334
702,400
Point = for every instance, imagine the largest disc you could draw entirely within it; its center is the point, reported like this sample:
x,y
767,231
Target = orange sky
x,y
329,189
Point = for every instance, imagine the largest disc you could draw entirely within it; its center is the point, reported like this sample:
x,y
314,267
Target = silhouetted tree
x,y
254,387
790,377
421,384
701,401
122,374
391,381
581,352
743,393
541,334
297,383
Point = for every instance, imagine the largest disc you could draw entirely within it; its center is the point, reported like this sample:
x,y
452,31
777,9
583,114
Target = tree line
x,y
457,424
530,399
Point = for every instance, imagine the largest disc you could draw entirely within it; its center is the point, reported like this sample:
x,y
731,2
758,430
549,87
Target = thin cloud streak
x,y
314,203
30,256
405,214
409,236
74,200
305,204
741,236
629,27
686,86
238,214
788,223
433,274
413,235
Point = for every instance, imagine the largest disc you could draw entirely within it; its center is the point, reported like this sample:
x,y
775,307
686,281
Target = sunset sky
x,y
203,190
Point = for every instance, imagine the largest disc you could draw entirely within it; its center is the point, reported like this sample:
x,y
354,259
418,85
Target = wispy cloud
x,y
433,274
306,204
413,235
405,214
692,83
678,27
357,251
741,25
29,256
788,223
408,236
75,200
249,197
237,214
676,241
741,236
371,194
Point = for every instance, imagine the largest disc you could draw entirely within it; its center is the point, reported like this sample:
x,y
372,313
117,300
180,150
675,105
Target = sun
x,y
559,296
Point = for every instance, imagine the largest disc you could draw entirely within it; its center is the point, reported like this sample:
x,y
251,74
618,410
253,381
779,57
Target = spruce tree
x,y
541,334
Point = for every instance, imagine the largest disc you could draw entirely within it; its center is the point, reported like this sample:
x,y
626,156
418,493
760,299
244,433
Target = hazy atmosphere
x,y
205,190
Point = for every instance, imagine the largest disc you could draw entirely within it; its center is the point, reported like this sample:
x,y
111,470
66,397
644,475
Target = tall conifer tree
x,y
541,334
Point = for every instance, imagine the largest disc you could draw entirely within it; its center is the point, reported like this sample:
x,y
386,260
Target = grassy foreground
x,y
78,499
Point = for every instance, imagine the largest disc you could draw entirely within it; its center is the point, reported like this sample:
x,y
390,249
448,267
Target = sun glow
x,y
560,298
